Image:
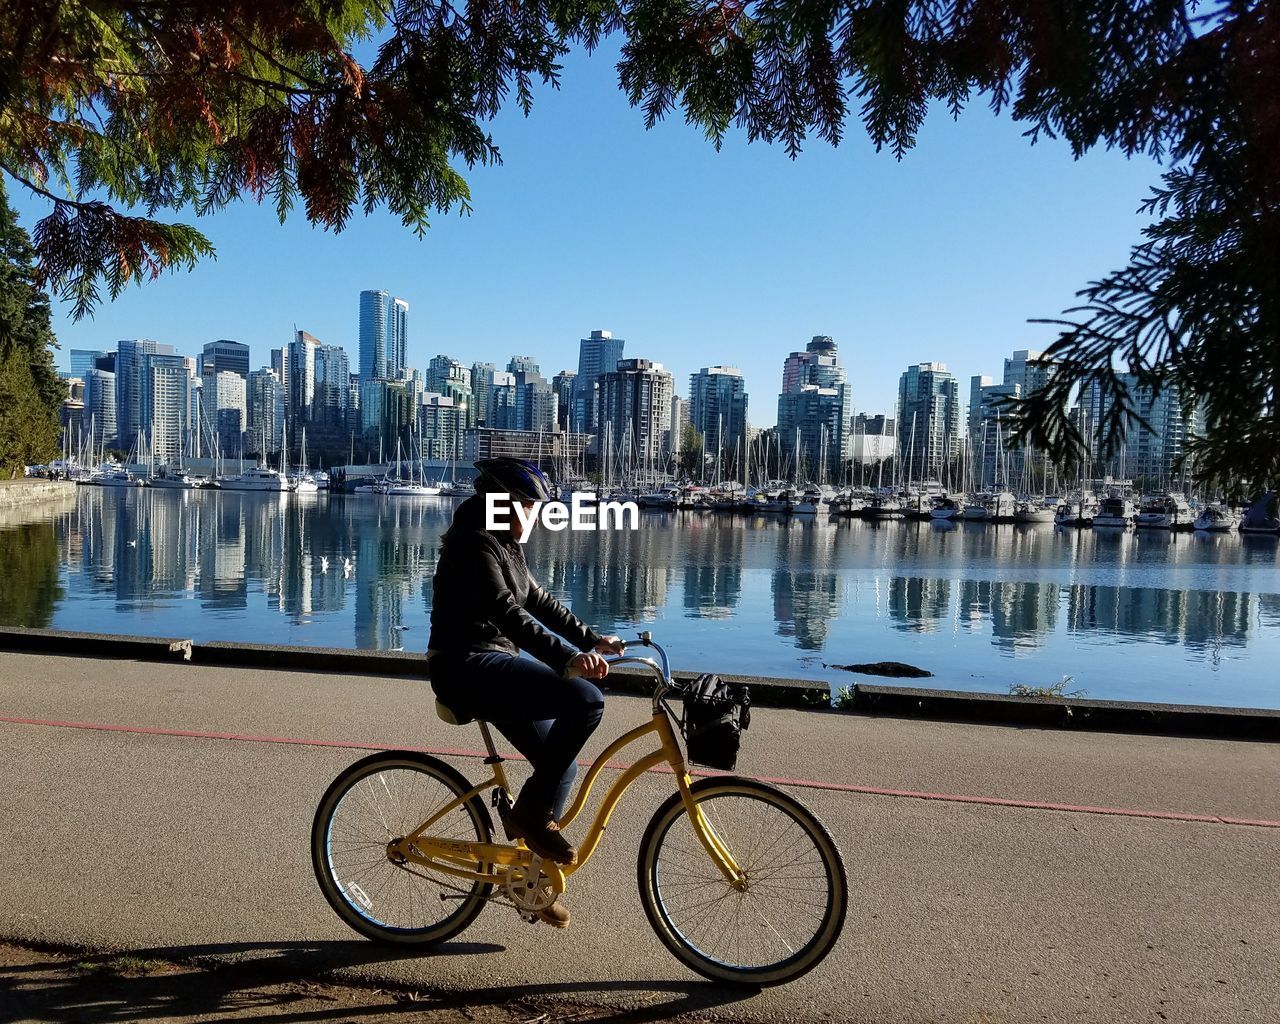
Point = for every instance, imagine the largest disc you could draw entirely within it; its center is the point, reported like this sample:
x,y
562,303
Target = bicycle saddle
x,y
446,714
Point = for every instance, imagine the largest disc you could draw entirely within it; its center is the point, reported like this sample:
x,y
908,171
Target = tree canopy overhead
x,y
170,105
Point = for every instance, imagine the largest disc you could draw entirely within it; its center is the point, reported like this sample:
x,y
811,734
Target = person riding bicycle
x,y
485,609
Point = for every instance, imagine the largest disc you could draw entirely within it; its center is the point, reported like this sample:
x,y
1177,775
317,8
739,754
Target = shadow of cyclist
x,y
262,980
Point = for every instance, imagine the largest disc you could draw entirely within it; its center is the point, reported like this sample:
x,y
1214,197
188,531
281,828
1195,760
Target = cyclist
x,y
485,609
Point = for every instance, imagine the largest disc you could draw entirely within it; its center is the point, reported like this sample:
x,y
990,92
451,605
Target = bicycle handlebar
x,y
645,639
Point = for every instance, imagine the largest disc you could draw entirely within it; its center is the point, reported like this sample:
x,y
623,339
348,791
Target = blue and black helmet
x,y
522,480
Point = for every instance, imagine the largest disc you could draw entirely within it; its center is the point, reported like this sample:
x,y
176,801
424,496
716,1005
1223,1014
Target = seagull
x,y
133,543
324,563
347,566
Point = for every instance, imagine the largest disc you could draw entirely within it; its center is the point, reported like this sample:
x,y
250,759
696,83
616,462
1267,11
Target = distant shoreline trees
x,y
30,392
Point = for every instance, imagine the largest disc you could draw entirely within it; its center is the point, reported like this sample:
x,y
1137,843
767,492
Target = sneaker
x,y
556,915
540,834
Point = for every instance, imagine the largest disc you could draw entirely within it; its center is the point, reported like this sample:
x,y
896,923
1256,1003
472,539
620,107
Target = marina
x,y
1160,615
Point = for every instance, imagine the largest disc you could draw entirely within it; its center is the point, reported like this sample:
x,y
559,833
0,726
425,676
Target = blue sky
x,y
694,257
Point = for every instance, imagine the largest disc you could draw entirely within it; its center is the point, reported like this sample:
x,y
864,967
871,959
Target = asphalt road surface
x,y
997,874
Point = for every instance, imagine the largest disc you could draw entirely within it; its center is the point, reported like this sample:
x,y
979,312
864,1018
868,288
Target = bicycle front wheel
x,y
785,919
377,800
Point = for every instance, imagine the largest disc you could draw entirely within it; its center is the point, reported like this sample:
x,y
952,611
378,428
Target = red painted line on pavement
x,y
839,787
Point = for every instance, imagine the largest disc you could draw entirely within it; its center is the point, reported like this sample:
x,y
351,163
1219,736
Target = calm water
x,y
1149,616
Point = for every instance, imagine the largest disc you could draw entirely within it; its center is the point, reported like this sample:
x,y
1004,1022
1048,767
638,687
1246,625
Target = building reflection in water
x,y
226,565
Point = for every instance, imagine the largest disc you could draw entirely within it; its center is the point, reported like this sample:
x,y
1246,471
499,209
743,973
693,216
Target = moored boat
x,y
1217,519
1114,512
1167,511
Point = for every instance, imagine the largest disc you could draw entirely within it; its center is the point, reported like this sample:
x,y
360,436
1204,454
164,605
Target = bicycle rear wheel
x,y
379,799
787,918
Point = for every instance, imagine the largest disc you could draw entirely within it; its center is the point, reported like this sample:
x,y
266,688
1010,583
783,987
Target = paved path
x,y
1163,908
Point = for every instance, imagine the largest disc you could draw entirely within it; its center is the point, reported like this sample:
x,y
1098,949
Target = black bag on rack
x,y
715,714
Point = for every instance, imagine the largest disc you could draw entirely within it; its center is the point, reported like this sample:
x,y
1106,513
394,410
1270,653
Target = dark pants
x,y
545,716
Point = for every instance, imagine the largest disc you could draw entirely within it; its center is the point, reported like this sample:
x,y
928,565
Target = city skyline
x,y
712,256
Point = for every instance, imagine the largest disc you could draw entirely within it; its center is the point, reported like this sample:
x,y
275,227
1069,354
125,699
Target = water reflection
x,y
744,594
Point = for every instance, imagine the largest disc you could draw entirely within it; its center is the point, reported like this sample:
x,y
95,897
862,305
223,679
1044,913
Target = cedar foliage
x,y
195,103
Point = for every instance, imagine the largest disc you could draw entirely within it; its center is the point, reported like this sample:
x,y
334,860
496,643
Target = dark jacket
x,y
484,599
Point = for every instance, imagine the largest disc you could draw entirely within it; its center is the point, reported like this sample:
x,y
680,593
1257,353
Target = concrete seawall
x,y
861,697
18,493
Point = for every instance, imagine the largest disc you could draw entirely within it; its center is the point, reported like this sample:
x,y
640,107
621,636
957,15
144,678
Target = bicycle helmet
x,y
522,480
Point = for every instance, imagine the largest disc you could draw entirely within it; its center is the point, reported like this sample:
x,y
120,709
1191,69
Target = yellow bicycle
x,y
738,879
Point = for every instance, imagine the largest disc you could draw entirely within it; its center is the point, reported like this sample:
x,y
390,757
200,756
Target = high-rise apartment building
x,y
384,329
562,388
100,406
635,413
1152,458
132,382
446,376
718,412
481,381
502,401
266,403
226,408
441,426
535,402
989,429
165,406
600,353
523,364
928,420
814,408
333,386
301,379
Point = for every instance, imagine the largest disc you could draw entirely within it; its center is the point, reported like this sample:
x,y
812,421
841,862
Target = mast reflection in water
x,y
1147,616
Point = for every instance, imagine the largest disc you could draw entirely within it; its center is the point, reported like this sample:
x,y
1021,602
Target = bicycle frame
x,y
476,861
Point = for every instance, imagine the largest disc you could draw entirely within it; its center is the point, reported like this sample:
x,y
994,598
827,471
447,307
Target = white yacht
x,y
1217,519
256,478
1164,512
1114,512
1034,512
119,478
1076,511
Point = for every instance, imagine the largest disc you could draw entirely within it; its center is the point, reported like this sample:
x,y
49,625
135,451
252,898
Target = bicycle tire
x,y
322,862
649,872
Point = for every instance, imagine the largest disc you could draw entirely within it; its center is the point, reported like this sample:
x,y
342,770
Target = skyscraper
x,y
226,409
814,408
441,425
1150,457
100,405
523,364
384,329
562,388
986,432
481,382
718,412
600,353
232,356
446,376
928,420
165,407
131,382
502,401
265,399
635,413
302,378
83,360
535,402
333,386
